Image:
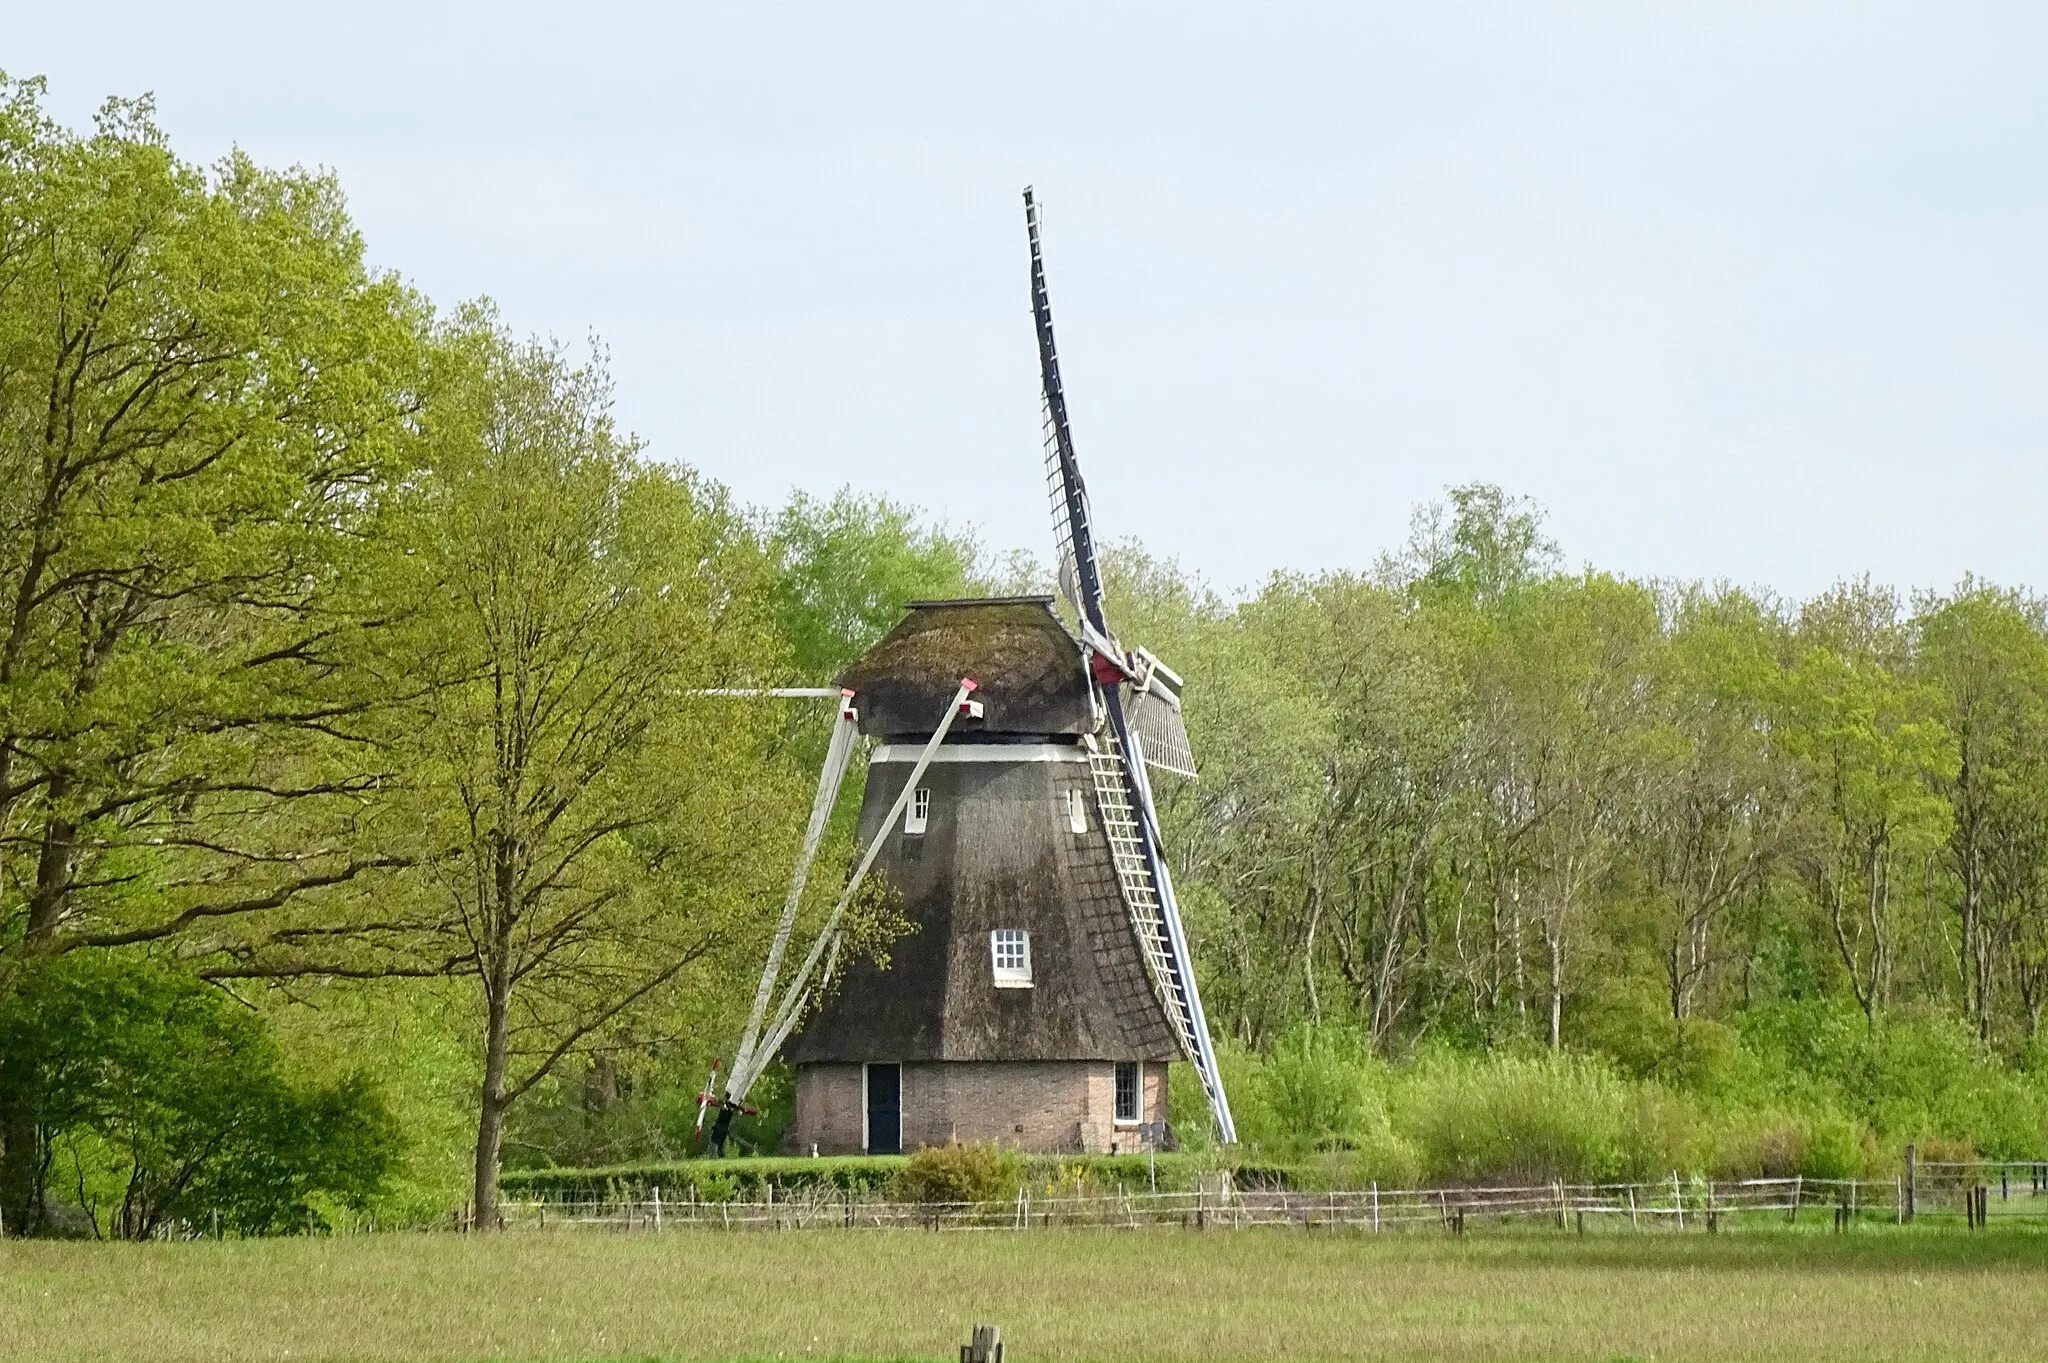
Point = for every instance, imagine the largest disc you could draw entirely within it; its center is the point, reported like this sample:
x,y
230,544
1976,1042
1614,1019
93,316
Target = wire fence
x,y
1975,1193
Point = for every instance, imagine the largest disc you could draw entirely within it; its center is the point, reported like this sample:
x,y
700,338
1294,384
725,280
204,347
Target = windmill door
x,y
885,1109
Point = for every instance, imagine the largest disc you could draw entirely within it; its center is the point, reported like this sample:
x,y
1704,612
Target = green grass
x,y
1877,1293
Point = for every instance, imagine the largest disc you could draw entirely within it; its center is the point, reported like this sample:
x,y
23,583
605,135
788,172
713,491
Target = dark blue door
x,y
885,1109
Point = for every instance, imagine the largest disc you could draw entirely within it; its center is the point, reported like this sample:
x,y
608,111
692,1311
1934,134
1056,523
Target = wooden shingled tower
x,y
1045,983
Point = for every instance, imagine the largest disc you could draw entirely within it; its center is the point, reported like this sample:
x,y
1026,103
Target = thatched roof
x,y
998,853
1027,665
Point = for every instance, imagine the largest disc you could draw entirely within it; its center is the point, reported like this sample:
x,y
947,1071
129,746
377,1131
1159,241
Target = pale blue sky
x,y
1743,291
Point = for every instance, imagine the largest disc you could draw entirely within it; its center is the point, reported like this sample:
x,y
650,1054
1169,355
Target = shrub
x,y
163,1102
959,1173
1316,1091
1513,1119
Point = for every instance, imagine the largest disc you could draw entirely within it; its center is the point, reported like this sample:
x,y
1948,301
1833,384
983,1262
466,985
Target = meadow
x,y
1878,1293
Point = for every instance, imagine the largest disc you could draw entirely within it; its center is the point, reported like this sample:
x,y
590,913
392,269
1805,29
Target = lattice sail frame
x,y
1123,790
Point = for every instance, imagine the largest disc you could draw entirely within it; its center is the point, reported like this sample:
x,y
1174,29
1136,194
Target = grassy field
x,y
1878,1293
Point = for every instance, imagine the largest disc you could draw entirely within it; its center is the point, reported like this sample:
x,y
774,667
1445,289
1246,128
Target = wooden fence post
x,y
1912,1183
1677,1200
986,1346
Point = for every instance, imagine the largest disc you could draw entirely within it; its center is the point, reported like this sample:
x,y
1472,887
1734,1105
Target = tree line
x,y
1473,795
365,796
345,639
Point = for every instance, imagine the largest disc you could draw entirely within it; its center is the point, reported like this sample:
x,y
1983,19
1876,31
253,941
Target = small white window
x,y
920,811
1077,810
1010,951
1130,1092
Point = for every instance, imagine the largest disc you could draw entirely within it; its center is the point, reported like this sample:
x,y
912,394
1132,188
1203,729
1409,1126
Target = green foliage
x,y
162,1102
203,400
1318,1089
883,1175
845,567
975,1172
1526,1119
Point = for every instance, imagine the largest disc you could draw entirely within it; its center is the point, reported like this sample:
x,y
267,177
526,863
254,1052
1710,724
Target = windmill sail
x,y
1073,537
1123,790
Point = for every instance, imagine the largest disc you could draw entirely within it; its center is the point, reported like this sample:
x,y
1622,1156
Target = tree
x,y
1872,741
591,827
843,570
1713,818
203,393
160,1100
1567,686
1983,651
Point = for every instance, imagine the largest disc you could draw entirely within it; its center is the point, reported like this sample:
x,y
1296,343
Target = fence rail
x,y
1675,1203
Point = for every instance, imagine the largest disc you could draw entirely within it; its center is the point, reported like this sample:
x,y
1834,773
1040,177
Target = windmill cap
x,y
1025,666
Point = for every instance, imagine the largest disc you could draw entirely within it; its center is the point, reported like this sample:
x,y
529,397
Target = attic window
x,y
1010,953
1077,810
915,817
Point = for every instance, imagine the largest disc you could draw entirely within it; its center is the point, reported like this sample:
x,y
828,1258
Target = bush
x,y
161,1102
1903,1078
959,1173
1315,1091
1513,1119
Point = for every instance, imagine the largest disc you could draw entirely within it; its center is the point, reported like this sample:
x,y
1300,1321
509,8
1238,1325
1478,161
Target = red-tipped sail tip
x,y
969,684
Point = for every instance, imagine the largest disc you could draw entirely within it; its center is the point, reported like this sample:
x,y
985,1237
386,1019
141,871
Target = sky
x,y
1745,292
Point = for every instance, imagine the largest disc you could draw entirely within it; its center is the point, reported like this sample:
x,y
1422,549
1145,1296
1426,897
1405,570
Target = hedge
x,y
718,1180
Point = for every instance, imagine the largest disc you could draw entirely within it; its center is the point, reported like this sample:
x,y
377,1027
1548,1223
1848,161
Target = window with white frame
x,y
920,811
1077,810
1130,1092
1009,951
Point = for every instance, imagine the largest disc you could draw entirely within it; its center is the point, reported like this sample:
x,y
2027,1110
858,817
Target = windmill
x,y
1046,981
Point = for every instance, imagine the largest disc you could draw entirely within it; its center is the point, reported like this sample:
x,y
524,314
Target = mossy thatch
x,y
1027,666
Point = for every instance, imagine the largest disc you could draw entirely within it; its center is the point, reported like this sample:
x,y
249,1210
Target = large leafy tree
x,y
203,395
1984,652
592,830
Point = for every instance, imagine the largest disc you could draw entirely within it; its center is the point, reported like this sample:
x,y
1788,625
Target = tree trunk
x,y
490,1121
21,1167
21,1143
1556,945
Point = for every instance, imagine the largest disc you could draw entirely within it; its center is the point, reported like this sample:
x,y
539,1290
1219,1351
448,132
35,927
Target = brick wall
x,y
829,1110
1042,1107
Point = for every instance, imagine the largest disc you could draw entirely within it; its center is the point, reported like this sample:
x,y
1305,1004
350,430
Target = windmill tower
x,y
1045,984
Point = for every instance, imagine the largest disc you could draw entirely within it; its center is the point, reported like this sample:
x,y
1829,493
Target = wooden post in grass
x,y
1677,1200
986,1346
1912,1184
1375,1207
1634,1224
657,1207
